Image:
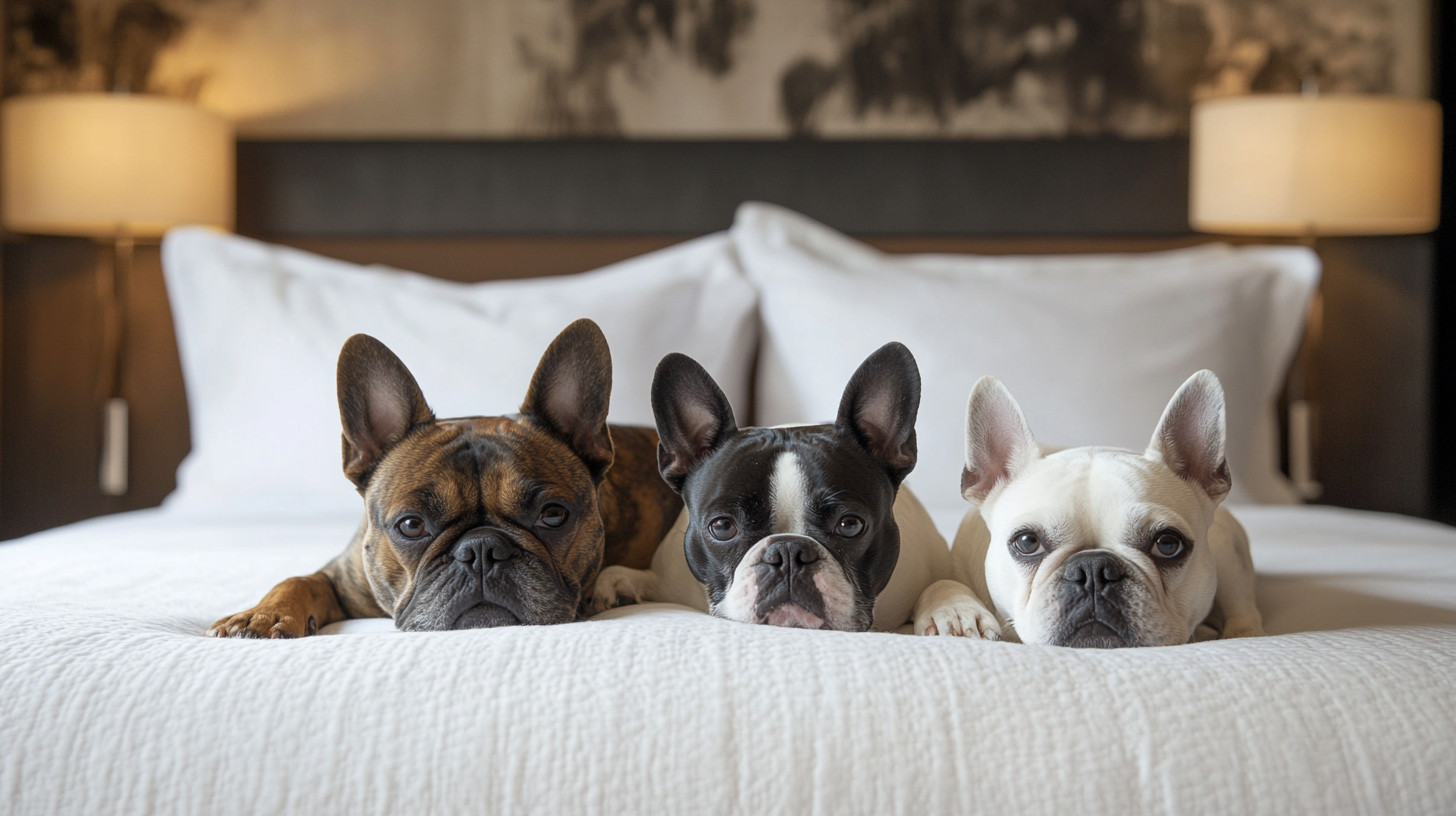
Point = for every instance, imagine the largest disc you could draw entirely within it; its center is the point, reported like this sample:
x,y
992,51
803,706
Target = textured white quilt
x,y
112,702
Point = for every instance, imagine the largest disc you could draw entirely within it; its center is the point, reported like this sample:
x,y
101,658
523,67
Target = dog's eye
x,y
1168,545
553,516
410,526
1027,543
723,528
850,526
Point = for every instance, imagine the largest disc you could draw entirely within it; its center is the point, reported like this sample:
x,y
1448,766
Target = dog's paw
x,y
264,622
618,586
965,619
1242,627
951,609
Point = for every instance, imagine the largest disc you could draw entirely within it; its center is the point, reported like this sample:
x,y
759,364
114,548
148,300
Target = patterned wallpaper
x,y
758,69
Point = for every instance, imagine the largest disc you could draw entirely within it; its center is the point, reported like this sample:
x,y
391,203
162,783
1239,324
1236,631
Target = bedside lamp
x,y
1306,165
116,168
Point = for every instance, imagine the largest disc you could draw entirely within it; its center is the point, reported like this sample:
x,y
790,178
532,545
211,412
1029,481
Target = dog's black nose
x,y
790,552
483,550
1093,570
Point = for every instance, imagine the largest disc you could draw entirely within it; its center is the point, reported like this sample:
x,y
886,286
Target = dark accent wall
x,y
1373,386
1443,368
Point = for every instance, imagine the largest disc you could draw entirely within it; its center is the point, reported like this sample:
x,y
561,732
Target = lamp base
x,y
114,448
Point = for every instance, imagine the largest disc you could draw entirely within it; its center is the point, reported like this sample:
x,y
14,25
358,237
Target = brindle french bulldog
x,y
481,521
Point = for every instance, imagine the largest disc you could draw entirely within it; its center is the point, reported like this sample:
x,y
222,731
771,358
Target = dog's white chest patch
x,y
789,492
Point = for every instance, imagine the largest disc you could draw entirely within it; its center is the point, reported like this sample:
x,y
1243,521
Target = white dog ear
x,y
1190,436
999,444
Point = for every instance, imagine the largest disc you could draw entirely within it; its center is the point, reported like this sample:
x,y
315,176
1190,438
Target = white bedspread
x,y
111,702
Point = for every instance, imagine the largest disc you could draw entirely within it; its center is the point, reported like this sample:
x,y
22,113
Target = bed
x,y
113,702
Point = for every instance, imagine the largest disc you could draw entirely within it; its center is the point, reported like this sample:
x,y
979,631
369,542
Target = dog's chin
x,y
1093,634
793,616
485,615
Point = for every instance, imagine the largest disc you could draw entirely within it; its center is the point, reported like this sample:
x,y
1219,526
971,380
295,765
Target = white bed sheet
x,y
111,701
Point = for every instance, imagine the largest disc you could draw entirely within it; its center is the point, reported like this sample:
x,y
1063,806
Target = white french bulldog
x,y
1100,547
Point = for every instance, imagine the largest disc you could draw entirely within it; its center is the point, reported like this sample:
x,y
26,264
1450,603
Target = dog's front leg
x,y
1235,613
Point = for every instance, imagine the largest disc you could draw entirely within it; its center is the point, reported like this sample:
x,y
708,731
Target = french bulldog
x,y
1100,547
802,526
482,521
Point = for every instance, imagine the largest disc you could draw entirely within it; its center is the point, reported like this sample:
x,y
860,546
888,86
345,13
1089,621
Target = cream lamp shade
x,y
114,164
1315,165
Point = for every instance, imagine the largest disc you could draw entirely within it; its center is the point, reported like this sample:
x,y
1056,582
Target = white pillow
x,y
259,329
1092,346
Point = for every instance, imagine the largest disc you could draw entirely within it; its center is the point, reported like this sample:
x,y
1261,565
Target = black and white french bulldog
x,y
1101,547
803,526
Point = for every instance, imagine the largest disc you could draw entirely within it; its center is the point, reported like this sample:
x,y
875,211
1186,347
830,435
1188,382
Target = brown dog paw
x,y
261,622
294,608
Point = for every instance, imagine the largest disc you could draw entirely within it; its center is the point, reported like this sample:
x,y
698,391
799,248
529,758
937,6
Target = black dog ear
x,y
571,392
879,408
379,403
693,416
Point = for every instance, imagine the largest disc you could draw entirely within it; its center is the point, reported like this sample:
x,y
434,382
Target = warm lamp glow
x,y
114,164
1315,165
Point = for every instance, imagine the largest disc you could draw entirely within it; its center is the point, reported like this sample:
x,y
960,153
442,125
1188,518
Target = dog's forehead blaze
x,y
799,465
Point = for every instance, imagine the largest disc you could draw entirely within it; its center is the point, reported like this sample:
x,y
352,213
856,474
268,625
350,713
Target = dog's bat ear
x,y
571,392
999,443
693,417
879,407
1190,436
379,404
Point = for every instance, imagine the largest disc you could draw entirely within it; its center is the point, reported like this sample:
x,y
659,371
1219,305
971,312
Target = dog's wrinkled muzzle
x,y
1091,596
785,575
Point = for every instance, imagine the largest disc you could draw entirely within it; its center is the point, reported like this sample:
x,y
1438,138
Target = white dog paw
x,y
959,619
616,586
950,609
